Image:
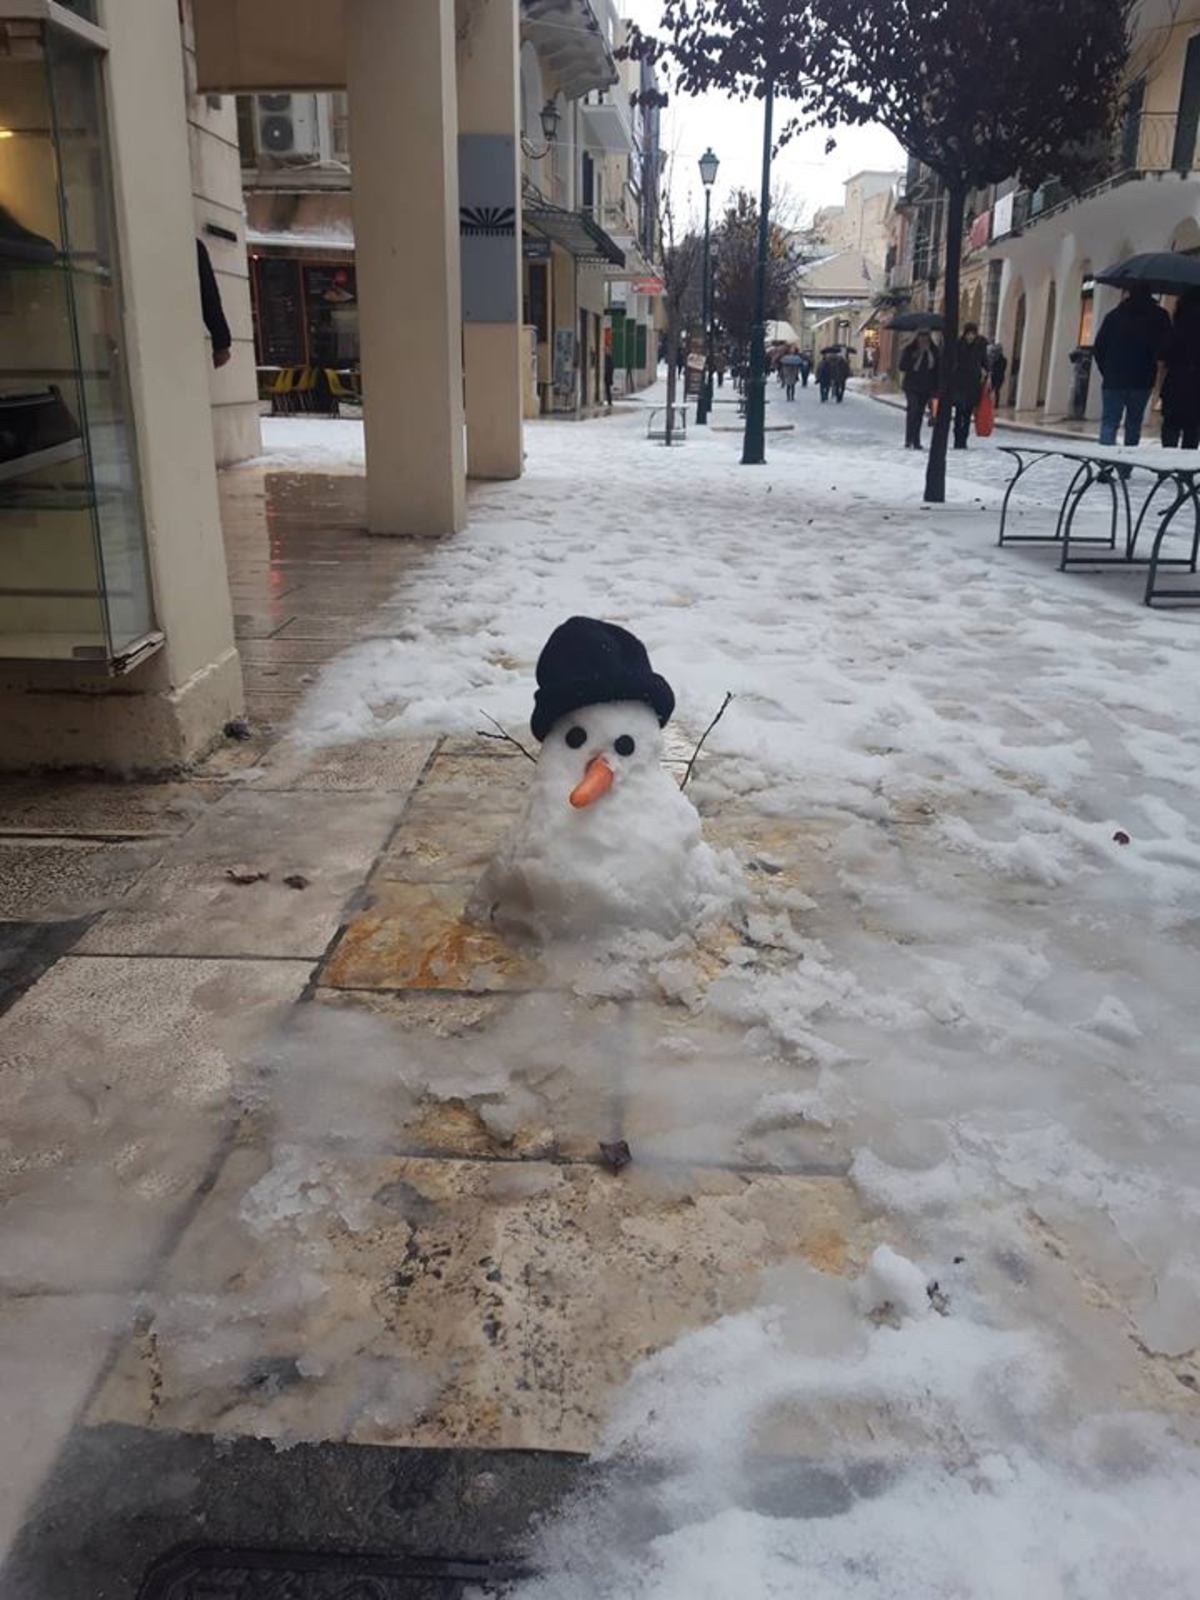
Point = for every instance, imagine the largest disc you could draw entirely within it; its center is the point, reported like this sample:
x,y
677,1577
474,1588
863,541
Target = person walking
x,y
840,367
608,378
1181,382
997,370
824,377
970,367
805,368
789,367
920,366
1132,341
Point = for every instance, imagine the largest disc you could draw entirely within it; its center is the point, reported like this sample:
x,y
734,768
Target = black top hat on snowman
x,y
586,662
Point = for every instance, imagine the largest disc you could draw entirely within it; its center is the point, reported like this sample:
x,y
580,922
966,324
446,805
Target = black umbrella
x,y
1160,271
917,322
838,349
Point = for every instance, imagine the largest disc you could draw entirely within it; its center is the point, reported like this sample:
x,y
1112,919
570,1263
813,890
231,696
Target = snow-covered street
x,y
898,1293
966,785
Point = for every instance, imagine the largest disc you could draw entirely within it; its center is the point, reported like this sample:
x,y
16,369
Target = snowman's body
x,y
606,841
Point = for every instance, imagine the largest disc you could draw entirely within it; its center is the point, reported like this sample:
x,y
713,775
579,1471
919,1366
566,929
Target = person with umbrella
x,y
824,375
1181,383
840,368
920,365
1129,347
789,370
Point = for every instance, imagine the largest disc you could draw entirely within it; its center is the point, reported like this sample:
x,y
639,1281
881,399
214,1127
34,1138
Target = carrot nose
x,y
596,780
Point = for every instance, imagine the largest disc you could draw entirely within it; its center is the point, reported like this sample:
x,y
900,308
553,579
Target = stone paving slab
x,y
57,805
51,878
115,1075
433,1302
417,936
377,765
189,906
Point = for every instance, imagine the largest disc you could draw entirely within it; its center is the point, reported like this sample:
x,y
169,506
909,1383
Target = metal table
x,y
1112,466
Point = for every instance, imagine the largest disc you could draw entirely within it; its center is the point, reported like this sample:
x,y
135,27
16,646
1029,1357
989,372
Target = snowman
x,y
607,841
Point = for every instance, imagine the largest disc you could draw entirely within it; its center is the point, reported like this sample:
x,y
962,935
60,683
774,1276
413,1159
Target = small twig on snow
x,y
505,737
688,772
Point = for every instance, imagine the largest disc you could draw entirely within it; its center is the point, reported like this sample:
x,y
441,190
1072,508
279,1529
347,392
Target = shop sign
x,y
533,248
648,286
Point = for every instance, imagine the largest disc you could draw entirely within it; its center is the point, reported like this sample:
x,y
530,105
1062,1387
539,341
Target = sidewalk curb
x,y
896,402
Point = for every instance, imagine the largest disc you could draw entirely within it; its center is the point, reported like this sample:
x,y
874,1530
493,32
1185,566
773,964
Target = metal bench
x,y
656,429
1112,466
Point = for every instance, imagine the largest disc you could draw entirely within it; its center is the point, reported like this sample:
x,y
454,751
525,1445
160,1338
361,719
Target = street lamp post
x,y
708,176
754,444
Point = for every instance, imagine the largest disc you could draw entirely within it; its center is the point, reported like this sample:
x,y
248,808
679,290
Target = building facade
x,y
116,635
1050,244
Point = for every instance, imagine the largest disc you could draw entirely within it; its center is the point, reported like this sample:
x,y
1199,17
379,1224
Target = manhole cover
x,y
319,1575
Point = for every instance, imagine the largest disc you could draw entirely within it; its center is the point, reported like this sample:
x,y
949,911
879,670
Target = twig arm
x,y
505,737
700,746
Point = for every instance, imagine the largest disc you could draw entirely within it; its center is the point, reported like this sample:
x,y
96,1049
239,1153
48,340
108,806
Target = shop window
x,y
74,581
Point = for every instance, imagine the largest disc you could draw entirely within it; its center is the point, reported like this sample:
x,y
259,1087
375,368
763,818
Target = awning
x,y
574,231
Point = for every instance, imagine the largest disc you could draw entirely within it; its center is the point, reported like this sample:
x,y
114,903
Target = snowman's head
x,y
596,749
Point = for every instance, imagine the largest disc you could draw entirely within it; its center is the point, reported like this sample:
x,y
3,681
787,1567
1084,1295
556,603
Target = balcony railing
x,y
1146,141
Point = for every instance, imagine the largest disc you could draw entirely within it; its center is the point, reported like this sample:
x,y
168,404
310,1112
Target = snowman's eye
x,y
624,745
576,736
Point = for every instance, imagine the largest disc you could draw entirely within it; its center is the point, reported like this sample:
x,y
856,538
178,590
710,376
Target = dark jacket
x,y
921,379
210,300
1132,341
1181,386
970,364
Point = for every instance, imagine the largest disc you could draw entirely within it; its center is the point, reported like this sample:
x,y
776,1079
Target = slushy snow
x,y
968,979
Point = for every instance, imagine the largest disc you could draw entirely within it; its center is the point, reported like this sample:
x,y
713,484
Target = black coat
x,y
210,300
1181,386
970,364
922,380
1132,341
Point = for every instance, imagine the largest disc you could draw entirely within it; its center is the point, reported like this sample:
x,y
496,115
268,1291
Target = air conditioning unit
x,y
288,126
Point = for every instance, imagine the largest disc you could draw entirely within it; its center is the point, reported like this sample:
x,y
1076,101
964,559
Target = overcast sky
x,y
734,130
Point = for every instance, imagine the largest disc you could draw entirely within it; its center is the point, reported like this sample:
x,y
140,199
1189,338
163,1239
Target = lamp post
x,y
708,176
754,443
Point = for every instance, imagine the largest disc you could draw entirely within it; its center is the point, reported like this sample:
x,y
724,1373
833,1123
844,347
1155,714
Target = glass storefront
x,y
74,581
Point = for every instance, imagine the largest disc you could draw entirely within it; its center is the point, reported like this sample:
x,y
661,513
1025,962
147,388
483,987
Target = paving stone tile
x,y
499,1075
437,844
466,783
46,879
59,805
115,1082
371,764
416,936
52,1348
451,1303
188,905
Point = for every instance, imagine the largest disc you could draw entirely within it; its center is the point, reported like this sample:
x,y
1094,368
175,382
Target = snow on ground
x,y
987,986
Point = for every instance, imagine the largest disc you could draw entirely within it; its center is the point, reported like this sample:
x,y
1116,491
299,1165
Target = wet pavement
x,y
227,1218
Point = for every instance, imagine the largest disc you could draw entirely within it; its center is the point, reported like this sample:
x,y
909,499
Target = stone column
x,y
403,138
490,184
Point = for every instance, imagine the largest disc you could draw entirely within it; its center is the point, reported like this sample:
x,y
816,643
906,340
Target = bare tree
x,y
736,251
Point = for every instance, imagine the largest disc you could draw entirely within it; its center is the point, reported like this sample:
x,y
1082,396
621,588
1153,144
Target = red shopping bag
x,y
985,413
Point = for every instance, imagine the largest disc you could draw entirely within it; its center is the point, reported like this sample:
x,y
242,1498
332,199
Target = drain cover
x,y
317,1575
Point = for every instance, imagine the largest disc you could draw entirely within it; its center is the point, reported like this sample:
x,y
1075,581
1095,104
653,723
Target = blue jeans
x,y
1129,403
